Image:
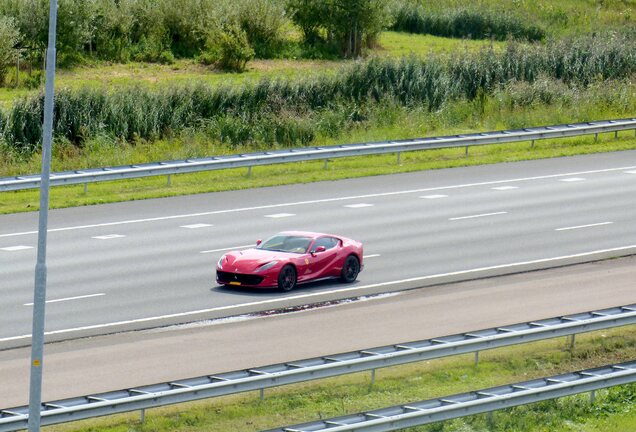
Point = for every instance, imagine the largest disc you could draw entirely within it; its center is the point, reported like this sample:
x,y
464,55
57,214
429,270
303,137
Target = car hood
x,y
250,259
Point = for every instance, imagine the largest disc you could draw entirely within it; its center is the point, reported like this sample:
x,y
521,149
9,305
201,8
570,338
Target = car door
x,y
322,263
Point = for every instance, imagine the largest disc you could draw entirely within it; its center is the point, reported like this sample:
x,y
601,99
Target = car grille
x,y
243,279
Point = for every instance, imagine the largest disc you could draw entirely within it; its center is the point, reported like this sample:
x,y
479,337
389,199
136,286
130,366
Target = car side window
x,y
327,242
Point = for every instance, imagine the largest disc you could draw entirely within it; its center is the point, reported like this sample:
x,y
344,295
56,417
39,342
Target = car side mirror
x,y
319,249
259,241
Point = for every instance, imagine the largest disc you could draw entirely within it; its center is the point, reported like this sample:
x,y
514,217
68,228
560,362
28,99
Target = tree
x,y
9,40
309,15
350,25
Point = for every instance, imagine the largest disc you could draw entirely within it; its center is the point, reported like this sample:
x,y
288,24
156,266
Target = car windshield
x,y
286,243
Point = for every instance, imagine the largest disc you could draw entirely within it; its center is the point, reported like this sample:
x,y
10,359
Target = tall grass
x,y
276,109
465,23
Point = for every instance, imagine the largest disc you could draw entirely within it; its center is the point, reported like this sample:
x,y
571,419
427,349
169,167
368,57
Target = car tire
x,y
287,278
350,269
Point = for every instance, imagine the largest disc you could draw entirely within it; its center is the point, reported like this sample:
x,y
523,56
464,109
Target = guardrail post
x,y
592,396
615,134
168,179
595,137
572,342
249,171
142,415
261,394
399,158
85,188
466,153
491,420
372,377
325,164
532,144
476,358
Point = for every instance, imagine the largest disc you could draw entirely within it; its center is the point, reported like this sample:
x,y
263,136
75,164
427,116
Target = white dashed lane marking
x,y
280,215
361,205
505,188
434,196
630,172
319,201
70,298
583,226
477,216
572,179
16,248
195,226
108,237
370,256
225,249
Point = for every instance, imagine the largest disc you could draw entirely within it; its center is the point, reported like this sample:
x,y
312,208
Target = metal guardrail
x,y
476,402
316,153
260,378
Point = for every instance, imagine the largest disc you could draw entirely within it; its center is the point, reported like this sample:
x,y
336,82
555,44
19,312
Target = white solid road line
x,y
346,198
195,226
505,188
228,248
477,216
70,298
16,248
320,293
583,226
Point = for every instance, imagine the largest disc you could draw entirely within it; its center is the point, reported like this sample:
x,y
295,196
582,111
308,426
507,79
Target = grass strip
x,y
613,410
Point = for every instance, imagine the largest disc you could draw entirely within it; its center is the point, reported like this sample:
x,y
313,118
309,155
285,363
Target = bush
x,y
536,74
112,31
229,49
263,22
33,79
150,49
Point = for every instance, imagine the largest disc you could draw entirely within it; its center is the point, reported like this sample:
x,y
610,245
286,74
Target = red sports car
x,y
291,258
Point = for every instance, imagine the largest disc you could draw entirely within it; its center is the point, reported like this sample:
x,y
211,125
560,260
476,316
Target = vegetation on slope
x,y
582,69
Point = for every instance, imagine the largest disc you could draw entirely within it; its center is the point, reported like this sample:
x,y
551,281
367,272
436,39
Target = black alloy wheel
x,y
287,278
350,269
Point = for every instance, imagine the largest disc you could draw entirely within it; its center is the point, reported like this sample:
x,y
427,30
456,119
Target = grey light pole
x,y
39,293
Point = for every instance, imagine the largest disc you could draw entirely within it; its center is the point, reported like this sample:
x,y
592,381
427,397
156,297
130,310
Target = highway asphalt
x,y
149,263
119,361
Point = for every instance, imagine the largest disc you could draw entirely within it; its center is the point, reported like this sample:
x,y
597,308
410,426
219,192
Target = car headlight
x,y
267,266
221,261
